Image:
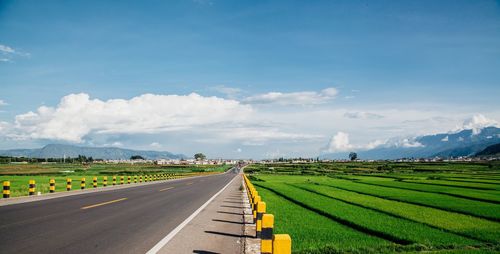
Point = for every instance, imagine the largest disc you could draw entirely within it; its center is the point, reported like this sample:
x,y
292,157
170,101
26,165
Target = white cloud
x,y
9,52
476,123
408,143
294,98
339,143
7,49
3,103
155,145
78,116
239,150
114,144
445,139
362,115
230,92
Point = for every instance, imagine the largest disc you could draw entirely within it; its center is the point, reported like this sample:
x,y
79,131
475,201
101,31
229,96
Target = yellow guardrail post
x,y
128,179
140,178
256,200
94,182
135,179
104,181
52,185
82,184
121,180
282,244
68,184
261,209
114,180
31,187
6,189
266,243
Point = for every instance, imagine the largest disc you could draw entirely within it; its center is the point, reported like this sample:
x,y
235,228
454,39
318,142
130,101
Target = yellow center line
x,y
166,189
104,203
189,183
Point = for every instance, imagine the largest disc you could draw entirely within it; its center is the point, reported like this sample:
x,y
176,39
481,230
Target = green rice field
x,y
383,207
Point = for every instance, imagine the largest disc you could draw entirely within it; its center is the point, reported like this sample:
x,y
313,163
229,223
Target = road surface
x,y
130,220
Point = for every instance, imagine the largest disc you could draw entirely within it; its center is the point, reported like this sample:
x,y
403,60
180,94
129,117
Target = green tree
x,y
353,156
200,156
136,157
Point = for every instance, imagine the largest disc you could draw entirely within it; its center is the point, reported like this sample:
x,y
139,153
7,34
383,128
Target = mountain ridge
x,y
107,153
445,145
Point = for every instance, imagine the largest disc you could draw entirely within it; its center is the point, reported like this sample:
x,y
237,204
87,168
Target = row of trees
x,y
79,159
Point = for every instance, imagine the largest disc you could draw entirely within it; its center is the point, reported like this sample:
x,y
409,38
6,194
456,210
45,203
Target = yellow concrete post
x,y
282,244
6,189
256,200
261,209
32,187
52,185
266,243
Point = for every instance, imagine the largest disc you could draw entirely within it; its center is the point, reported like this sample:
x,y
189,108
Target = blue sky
x,y
401,60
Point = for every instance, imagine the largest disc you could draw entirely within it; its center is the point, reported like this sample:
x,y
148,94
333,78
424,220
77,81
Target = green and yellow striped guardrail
x,y
264,224
95,182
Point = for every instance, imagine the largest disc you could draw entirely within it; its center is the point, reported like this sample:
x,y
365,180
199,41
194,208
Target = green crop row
x,y
311,231
454,204
479,186
481,195
369,221
458,223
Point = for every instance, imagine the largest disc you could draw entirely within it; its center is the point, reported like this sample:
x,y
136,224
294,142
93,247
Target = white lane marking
x,y
176,230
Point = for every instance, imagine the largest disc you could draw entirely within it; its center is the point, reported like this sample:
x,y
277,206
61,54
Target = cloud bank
x,y
295,98
77,116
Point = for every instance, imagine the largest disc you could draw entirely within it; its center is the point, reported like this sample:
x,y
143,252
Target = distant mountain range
x,y
493,150
107,153
463,143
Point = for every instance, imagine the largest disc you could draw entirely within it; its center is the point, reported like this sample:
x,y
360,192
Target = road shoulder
x,y
219,228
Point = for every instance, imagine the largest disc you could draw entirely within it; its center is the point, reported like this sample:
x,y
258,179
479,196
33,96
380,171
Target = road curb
x,y
251,244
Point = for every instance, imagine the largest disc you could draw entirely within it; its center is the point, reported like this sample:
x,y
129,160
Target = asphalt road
x,y
130,220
